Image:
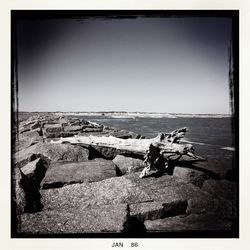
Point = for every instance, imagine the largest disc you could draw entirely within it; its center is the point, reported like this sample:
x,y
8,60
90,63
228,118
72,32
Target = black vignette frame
x,y
17,15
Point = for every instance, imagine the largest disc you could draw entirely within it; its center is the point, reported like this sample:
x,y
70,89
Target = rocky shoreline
x,y
62,189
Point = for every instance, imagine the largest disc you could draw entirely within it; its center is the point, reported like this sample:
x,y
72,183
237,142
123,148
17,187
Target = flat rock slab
x,y
63,173
193,222
128,189
166,188
157,210
116,190
109,219
55,152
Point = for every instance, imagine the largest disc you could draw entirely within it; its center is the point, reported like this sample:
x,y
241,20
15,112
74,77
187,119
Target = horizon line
x,y
112,111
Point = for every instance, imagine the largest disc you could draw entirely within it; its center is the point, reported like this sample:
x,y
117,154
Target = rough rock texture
x,y
128,165
27,139
193,222
55,152
195,197
100,219
63,173
114,190
166,188
120,190
223,189
223,209
157,210
19,198
195,177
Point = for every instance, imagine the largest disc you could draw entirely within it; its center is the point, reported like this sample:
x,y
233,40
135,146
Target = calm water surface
x,y
212,135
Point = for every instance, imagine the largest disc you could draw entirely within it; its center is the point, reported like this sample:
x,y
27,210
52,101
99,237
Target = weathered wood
x,y
164,146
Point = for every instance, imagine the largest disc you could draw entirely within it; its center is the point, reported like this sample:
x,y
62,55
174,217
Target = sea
x,y
211,137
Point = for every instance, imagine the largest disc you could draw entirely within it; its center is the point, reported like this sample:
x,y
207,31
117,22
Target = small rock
x,y
51,128
72,128
128,165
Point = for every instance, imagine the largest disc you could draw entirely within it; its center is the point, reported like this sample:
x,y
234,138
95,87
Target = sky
x,y
172,65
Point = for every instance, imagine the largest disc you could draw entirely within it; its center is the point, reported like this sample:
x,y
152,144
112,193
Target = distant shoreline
x,y
124,115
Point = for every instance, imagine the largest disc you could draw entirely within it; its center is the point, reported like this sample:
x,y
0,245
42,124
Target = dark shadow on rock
x,y
32,194
161,169
134,227
118,171
133,155
175,208
93,153
232,175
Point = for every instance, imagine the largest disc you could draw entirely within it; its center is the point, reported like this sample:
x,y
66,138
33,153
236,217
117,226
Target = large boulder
x,y
55,152
128,165
116,190
192,223
26,139
100,219
222,208
63,173
129,189
193,176
221,189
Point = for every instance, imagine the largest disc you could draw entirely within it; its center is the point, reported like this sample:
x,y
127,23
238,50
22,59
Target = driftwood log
x,y
161,149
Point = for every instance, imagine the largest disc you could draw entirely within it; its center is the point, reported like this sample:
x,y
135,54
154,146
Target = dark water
x,y
210,134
